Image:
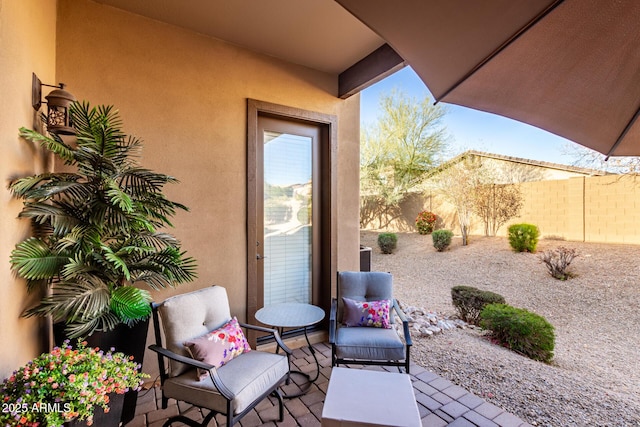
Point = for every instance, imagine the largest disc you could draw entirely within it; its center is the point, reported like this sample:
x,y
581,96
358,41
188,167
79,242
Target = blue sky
x,y
471,129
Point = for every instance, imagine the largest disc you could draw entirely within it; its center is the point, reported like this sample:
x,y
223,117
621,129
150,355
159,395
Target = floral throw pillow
x,y
218,346
366,313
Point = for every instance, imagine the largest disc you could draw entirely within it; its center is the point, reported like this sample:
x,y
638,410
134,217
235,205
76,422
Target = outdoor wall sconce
x,y
58,103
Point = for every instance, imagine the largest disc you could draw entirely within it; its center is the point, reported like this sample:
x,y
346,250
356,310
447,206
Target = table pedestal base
x,y
304,387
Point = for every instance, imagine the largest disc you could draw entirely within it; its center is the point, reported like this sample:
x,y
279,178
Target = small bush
x,y
441,239
387,242
520,330
558,260
524,237
425,222
470,301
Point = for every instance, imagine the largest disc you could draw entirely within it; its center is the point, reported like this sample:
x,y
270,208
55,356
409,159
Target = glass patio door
x,y
285,251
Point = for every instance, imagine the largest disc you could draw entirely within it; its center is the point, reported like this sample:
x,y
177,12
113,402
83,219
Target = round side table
x,y
293,315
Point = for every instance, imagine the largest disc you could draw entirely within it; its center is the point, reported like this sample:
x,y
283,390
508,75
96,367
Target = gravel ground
x,y
594,378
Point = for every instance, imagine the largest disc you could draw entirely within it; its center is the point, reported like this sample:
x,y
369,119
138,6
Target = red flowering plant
x,y
65,384
425,222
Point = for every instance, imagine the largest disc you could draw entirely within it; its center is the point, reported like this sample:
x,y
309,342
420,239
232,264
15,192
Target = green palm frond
x,y
94,165
107,321
133,251
59,189
20,187
25,187
154,240
41,231
56,146
96,227
171,263
95,126
34,260
75,237
41,212
126,152
141,181
131,152
159,209
77,300
75,267
131,304
155,279
119,198
116,261
55,215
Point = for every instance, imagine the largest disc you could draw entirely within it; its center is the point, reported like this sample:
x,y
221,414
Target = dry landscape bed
x,y
594,378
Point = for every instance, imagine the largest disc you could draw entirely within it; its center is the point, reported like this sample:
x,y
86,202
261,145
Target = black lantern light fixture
x,y
58,103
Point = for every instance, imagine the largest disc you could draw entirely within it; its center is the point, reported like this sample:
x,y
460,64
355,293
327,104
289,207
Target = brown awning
x,y
571,67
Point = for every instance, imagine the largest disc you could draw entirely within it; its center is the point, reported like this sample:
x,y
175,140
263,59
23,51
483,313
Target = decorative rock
x,y
434,329
426,332
427,323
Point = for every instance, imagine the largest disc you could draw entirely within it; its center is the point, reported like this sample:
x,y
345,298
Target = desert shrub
x,y
558,260
470,301
387,242
425,221
520,330
523,237
441,239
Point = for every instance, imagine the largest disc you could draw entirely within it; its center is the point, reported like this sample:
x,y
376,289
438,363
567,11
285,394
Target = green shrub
x,y
470,301
387,242
441,239
523,237
425,222
520,330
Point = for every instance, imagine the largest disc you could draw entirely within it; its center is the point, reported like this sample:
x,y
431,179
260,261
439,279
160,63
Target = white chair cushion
x,y
246,376
188,316
369,344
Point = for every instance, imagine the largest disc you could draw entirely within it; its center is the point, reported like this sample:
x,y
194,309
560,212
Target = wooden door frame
x,y
328,173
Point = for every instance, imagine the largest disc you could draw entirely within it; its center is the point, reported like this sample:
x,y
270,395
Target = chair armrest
x,y
273,332
213,371
405,322
180,358
333,315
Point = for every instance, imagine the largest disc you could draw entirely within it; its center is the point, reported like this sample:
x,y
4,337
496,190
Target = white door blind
x,y
287,218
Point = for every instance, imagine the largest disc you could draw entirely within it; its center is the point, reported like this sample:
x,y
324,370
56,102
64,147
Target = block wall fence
x,y
604,209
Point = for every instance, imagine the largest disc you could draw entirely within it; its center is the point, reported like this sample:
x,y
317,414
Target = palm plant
x,y
96,231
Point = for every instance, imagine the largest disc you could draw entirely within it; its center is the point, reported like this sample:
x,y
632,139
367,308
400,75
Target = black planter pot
x,y
102,419
131,341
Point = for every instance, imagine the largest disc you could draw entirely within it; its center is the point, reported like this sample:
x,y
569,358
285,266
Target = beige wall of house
x,y
603,209
27,45
509,171
186,96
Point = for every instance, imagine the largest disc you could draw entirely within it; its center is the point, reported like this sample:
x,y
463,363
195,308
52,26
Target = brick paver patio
x,y
440,402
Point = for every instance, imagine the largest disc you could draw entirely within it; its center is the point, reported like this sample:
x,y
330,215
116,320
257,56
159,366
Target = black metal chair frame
x,y
213,373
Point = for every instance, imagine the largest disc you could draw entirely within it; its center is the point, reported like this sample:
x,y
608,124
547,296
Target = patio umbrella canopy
x,y
571,67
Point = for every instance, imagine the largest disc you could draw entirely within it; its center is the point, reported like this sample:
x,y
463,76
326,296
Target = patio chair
x,y
197,328
359,337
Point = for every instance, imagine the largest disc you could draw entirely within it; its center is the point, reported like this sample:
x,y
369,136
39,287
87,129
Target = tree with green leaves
x,y
97,230
395,153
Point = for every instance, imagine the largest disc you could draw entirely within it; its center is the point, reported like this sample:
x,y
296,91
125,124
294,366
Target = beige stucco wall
x,y
185,95
603,209
27,45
